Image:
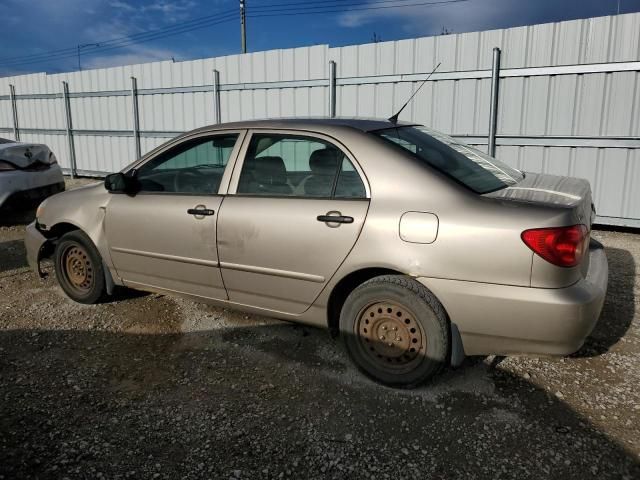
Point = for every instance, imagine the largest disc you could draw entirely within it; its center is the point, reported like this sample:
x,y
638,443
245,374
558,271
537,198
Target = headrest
x,y
324,161
271,170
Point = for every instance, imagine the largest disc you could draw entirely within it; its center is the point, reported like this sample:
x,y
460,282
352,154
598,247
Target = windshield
x,y
469,166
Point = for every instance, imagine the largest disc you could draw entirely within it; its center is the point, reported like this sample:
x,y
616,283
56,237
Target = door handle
x,y
335,219
200,211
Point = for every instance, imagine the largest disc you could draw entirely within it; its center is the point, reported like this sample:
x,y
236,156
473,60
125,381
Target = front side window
x,y
297,166
193,167
467,165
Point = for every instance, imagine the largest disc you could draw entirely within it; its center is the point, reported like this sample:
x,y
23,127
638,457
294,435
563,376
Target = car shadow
x,y
12,255
11,215
619,305
263,400
121,294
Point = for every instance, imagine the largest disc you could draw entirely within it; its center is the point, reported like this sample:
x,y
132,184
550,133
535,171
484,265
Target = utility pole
x,y
243,26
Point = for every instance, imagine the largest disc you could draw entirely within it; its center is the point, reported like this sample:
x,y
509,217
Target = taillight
x,y
562,246
6,166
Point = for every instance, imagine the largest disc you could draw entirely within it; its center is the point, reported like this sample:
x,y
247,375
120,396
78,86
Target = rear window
x,y
467,165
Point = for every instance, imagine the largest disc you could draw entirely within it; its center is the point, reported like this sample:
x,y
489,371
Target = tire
x,y
395,331
79,268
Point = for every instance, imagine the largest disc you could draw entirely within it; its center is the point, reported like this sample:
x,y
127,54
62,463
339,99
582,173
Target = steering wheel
x,y
186,181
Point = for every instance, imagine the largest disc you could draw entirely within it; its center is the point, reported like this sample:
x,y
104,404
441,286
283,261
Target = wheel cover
x,y
391,337
78,268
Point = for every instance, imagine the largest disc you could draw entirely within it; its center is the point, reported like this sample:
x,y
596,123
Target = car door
x,y
164,236
295,209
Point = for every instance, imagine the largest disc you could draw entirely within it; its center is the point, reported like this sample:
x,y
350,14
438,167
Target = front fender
x,y
36,245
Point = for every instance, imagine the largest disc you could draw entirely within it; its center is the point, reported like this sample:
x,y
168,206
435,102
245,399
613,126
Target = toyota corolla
x,y
413,247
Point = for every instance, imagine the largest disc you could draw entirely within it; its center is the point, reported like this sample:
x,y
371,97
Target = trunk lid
x,y
562,192
553,190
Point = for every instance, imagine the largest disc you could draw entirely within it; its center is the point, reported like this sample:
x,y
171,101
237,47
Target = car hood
x,y
552,190
24,155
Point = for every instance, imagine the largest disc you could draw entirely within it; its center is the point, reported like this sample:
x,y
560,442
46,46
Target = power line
x,y
322,4
271,10
296,4
333,9
124,41
140,35
113,46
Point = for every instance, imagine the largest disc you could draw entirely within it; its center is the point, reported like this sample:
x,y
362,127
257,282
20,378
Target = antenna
x,y
394,118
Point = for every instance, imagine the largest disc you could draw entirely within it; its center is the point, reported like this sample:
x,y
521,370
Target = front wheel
x,y
79,268
395,330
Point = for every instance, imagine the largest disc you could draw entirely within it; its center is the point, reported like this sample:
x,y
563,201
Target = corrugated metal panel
x,y
6,118
57,143
103,153
599,105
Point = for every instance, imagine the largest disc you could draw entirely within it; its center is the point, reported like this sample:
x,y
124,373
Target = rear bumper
x,y
501,319
34,243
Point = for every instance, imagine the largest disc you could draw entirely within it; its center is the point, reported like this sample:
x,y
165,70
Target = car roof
x,y
311,123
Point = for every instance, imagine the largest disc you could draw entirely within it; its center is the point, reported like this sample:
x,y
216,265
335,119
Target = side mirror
x,y
120,183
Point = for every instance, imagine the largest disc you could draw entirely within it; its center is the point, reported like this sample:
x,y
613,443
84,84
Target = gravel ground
x,y
148,386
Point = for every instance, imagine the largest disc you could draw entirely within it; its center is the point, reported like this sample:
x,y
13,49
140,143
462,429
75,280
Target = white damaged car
x,y
28,171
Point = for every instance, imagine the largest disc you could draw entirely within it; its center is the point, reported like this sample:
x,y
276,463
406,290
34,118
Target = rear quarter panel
x,y
478,238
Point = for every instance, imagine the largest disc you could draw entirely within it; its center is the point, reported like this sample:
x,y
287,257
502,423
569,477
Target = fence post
x,y
72,148
332,89
217,116
14,107
136,117
493,111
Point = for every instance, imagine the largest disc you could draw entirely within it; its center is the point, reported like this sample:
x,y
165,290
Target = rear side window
x,y
349,184
467,165
297,166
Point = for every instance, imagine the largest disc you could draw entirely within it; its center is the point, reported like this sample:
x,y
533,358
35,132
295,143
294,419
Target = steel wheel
x,y
77,268
390,337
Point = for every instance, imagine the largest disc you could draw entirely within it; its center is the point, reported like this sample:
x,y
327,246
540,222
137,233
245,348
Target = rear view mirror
x,y
120,183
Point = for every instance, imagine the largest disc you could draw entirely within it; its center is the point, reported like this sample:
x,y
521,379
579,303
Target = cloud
x,y
471,15
173,11
118,5
425,19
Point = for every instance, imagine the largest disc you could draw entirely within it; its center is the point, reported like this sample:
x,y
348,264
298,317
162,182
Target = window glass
x,y
469,166
290,165
194,167
349,183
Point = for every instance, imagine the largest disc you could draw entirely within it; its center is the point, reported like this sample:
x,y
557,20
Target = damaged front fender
x,y
37,246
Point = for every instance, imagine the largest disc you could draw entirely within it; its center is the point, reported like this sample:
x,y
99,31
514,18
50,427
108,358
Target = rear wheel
x,y
79,268
395,330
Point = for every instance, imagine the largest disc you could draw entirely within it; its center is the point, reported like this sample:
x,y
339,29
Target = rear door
x,y
296,207
165,235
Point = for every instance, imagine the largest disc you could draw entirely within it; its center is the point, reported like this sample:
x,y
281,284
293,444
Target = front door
x,y
296,213
165,236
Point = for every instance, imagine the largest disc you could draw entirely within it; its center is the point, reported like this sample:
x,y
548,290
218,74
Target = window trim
x,y
176,142
242,156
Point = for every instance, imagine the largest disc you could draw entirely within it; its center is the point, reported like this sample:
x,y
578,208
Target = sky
x,y
43,35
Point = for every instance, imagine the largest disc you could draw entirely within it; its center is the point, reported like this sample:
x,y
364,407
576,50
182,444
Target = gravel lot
x,y
148,386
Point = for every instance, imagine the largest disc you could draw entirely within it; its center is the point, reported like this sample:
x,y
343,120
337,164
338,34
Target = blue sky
x,y
33,28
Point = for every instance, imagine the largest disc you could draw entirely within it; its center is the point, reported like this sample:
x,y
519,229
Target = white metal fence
x,y
568,99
